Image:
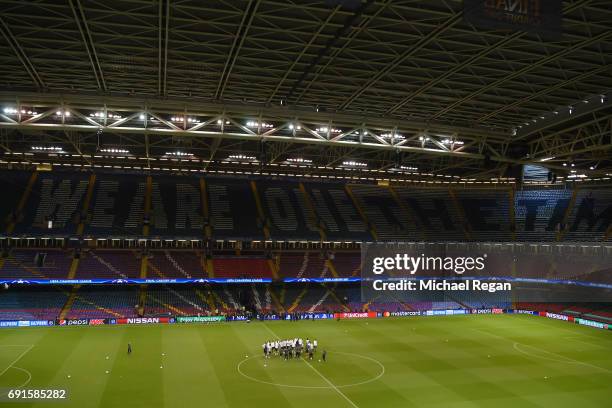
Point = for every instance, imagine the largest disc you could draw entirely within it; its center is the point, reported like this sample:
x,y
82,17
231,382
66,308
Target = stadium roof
x,y
386,83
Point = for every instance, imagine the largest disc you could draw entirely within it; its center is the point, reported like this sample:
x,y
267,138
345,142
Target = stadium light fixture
x,y
179,154
395,136
114,150
255,124
299,160
242,157
353,163
325,129
545,159
449,141
100,115
53,149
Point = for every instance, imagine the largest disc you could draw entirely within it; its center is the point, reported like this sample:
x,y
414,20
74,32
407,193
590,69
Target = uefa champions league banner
x,y
493,273
135,281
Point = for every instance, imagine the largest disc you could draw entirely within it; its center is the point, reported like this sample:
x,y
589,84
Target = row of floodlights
x,y
47,148
254,124
299,160
326,130
182,119
114,150
570,109
102,115
13,111
233,157
353,163
242,157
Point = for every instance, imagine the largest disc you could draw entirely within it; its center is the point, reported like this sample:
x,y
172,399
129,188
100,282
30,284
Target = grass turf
x,y
456,361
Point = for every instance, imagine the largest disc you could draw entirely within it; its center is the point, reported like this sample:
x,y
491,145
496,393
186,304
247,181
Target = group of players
x,y
291,348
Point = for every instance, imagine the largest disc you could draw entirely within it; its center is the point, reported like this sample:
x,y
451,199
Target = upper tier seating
x,y
302,265
109,264
287,212
347,264
539,213
61,201
175,264
241,268
385,215
36,264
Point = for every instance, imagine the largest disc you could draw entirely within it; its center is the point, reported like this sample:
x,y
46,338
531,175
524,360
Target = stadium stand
x,y
109,264
32,303
108,206
294,211
241,267
36,263
104,302
175,264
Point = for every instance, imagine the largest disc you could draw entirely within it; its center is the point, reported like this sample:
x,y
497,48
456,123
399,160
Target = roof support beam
x,y
456,18
162,48
241,34
365,22
297,59
81,21
21,55
551,58
193,106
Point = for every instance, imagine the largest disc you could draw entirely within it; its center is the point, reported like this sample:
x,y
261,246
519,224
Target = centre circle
x,y
315,372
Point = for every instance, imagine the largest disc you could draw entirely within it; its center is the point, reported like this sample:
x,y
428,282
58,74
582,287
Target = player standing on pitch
x,y
129,349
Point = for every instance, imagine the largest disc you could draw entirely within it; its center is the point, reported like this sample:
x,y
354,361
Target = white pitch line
x,y
318,372
331,384
567,359
16,360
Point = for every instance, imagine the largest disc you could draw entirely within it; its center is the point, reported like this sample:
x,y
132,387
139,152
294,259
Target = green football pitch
x,y
455,361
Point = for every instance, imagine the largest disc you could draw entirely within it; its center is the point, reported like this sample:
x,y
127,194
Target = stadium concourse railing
x,y
297,316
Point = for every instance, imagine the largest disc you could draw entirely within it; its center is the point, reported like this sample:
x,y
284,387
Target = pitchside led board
x,y
486,273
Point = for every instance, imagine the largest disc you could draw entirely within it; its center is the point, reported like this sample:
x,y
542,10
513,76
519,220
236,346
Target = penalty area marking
x,y
380,374
25,371
559,358
563,359
18,357
12,365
